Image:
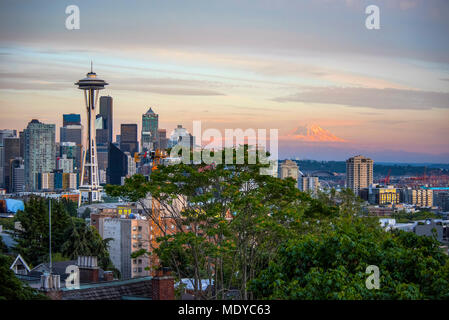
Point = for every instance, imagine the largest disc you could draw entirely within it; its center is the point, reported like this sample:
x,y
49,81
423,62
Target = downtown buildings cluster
x,y
33,161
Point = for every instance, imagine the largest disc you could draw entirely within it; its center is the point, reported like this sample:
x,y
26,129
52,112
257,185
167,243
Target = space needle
x,y
90,184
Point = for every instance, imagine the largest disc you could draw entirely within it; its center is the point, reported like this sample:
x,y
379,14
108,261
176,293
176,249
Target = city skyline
x,y
280,69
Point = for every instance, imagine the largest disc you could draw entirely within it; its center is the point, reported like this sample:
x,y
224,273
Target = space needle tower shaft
x,y
90,184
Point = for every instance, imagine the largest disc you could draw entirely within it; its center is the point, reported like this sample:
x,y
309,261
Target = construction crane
x,y
153,156
157,156
387,178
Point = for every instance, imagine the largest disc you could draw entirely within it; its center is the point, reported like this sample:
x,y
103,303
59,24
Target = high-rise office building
x,y
22,143
39,152
65,164
11,150
71,130
150,125
359,173
162,139
132,169
289,169
71,150
102,155
71,119
71,133
5,133
128,138
120,167
71,140
105,134
182,137
309,184
17,170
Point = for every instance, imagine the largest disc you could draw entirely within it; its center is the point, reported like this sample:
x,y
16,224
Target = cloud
x,y
408,4
172,91
372,98
59,81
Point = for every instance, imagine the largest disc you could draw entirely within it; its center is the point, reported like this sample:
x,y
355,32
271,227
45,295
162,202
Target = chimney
x,y
108,276
163,285
88,269
51,286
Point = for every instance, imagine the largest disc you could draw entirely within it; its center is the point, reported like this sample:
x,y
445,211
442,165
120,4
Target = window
x,y
134,261
140,228
140,261
139,269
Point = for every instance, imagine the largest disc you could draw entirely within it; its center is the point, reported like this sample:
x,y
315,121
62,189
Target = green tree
x,y
33,235
70,206
228,218
84,240
3,247
86,213
332,265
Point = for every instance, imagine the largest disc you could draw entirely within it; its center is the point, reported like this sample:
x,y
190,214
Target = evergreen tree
x,y
33,235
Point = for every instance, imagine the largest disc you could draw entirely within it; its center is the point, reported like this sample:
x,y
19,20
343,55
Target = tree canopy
x,y
261,236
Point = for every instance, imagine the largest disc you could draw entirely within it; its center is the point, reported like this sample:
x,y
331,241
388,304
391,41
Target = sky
x,y
256,64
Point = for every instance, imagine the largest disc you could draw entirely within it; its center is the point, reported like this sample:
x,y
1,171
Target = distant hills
x,y
380,169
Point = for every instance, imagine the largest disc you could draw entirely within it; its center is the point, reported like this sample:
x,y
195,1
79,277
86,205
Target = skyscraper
x,y
10,152
71,133
71,130
162,139
182,137
71,119
39,152
72,151
150,125
128,138
359,173
6,133
17,170
104,135
120,167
